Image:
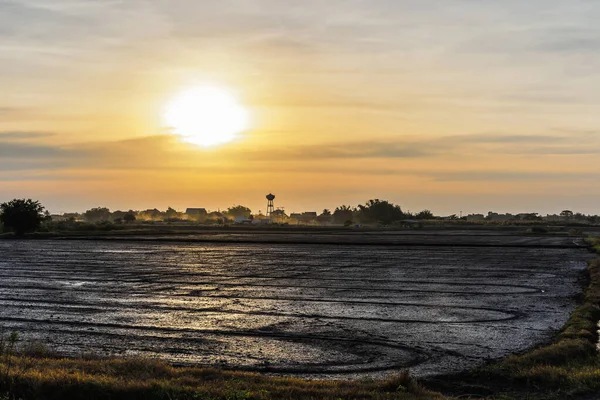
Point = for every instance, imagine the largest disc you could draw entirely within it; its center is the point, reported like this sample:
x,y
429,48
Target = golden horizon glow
x,y
206,116
483,104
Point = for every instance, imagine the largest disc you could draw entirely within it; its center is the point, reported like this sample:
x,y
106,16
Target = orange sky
x,y
459,107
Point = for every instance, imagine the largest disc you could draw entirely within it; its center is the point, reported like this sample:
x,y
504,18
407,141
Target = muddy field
x,y
312,309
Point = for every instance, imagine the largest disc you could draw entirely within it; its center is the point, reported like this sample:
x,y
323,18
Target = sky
x,y
449,105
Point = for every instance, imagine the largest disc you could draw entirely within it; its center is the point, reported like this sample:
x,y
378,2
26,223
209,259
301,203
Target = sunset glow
x,y
206,116
486,105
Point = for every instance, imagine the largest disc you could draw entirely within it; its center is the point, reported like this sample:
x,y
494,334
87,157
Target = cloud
x,y
22,135
27,151
164,152
368,159
508,139
7,110
586,133
429,147
152,153
354,150
564,142
511,176
570,40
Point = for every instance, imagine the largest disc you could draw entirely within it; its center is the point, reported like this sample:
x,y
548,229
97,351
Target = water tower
x,y
270,206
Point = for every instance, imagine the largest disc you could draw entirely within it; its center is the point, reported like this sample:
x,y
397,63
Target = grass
x,y
594,242
55,378
568,368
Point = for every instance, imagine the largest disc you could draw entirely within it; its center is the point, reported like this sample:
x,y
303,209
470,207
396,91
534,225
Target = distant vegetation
x,y
22,216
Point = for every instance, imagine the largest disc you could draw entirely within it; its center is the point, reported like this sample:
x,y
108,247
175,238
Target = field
x,y
295,305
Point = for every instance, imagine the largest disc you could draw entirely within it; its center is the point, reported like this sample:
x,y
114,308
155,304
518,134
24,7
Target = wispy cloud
x,y
7,110
353,150
28,151
502,138
165,152
512,176
23,135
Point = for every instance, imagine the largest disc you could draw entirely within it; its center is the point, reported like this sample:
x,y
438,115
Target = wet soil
x,y
325,310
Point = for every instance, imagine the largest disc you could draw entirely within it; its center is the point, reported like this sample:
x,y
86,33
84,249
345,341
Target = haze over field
x,y
446,105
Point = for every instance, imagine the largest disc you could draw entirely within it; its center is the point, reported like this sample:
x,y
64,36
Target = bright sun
x,y
206,116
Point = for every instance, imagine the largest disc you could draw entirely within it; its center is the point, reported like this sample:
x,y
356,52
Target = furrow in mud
x,y
321,310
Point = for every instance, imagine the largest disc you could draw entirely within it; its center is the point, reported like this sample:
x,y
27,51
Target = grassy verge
x,y
595,243
24,377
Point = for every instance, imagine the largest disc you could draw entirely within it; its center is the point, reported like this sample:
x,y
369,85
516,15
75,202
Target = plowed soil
x,y
281,306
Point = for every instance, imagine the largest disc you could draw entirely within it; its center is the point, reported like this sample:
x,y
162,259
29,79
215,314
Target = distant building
x,y
196,211
325,219
475,217
304,218
58,218
150,215
66,217
260,217
309,217
492,216
278,216
296,217
242,220
528,217
198,214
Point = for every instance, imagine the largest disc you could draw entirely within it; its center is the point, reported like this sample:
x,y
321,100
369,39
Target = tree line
x,y
103,214
26,215
373,211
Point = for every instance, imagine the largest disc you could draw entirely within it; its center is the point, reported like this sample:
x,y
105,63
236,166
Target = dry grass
x,y
54,378
595,243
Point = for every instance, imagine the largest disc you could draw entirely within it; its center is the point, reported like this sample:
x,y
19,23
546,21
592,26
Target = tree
x,y
343,214
279,216
531,217
149,215
238,212
21,216
129,218
380,211
325,217
579,216
97,214
568,214
171,213
425,214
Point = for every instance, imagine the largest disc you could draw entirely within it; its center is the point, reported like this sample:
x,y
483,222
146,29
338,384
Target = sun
x,y
206,116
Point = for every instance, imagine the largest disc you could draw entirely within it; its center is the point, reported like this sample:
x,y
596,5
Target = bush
x,y
380,211
22,216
